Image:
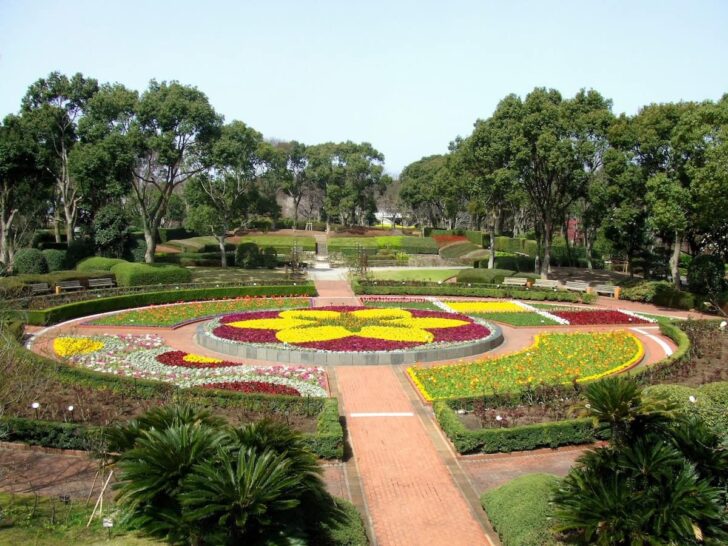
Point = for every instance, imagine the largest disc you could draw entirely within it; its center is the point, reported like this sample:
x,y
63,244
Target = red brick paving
x,y
411,497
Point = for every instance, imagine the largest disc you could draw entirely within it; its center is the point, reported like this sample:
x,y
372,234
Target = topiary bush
x,y
520,510
98,263
56,259
78,249
30,260
135,249
247,256
269,258
133,274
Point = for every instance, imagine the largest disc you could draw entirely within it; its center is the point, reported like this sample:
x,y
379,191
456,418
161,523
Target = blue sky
x,y
407,76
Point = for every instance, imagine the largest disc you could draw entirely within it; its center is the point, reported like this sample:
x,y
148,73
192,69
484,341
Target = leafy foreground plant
x,y
661,481
187,478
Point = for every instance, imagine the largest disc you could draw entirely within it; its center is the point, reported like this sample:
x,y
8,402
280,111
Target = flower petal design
x,y
396,333
271,323
313,333
200,359
425,323
381,314
309,314
72,346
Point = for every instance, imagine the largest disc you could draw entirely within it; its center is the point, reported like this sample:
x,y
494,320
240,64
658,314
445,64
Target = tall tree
x,y
54,106
173,132
217,198
24,187
289,164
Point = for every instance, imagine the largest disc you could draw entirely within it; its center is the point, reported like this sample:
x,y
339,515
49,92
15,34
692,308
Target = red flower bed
x,y
258,387
177,358
249,335
357,344
444,240
598,317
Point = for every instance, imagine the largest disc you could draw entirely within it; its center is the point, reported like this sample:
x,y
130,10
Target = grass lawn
x,y
433,275
517,319
658,318
52,523
404,305
235,274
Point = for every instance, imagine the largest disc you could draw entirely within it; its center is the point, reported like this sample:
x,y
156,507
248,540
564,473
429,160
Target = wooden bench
x,y
545,283
105,282
515,281
68,286
606,289
37,288
577,286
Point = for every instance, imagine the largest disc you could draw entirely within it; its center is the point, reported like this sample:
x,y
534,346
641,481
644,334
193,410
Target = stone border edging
x,y
368,358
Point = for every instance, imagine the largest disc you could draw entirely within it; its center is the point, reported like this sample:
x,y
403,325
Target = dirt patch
x,y
482,417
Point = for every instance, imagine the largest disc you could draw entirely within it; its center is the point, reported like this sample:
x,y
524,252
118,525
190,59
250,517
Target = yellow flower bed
x,y
71,346
485,307
200,359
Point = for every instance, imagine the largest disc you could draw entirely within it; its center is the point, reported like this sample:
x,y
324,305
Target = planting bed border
x,y
366,358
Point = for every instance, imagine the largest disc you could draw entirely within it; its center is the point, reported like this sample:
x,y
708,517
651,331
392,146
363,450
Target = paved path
x,y
410,494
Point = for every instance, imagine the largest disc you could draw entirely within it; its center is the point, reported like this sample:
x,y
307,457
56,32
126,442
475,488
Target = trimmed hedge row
x,y
476,237
394,288
53,315
524,438
98,263
133,274
483,276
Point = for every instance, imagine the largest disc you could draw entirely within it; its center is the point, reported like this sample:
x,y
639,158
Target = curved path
x,y
416,490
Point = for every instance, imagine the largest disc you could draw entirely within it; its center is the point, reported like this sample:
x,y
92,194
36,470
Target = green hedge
x,y
522,264
98,263
69,311
523,438
55,258
520,510
457,250
393,288
483,276
29,261
133,274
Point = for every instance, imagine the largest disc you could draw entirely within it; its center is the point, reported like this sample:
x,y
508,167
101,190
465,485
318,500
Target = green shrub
x,y
128,274
347,531
56,259
30,261
660,293
520,510
169,234
247,256
97,263
135,249
505,440
483,276
710,402
78,249
523,264
69,311
269,258
530,247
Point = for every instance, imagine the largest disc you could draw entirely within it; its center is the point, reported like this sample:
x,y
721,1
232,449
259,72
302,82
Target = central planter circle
x,y
349,335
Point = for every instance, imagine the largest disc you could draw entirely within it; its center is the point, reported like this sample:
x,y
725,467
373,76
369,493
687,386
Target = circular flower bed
x,y
348,329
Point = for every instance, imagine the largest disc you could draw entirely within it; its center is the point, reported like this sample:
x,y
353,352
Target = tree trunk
x,y
546,264
57,223
223,255
491,247
151,244
675,260
588,249
70,221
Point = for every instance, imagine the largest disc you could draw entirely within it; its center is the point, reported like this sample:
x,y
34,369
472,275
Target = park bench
x,y
515,281
105,282
38,288
68,286
606,289
577,286
544,283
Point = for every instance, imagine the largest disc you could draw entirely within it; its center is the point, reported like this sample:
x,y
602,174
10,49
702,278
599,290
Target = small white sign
x,y
107,522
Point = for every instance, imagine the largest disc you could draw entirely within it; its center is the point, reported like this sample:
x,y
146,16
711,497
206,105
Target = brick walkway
x,y
411,496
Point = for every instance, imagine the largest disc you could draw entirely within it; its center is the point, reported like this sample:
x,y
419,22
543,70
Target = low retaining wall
x,y
378,358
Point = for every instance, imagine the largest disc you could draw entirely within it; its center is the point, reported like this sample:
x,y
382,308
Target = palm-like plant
x,y
152,473
245,499
618,402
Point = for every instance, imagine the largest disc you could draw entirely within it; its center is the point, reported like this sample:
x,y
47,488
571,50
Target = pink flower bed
x,y
578,318
253,387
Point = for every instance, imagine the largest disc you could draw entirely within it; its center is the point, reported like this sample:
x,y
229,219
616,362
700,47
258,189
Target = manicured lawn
x,y
235,274
457,250
403,243
517,319
553,359
430,275
33,524
171,315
